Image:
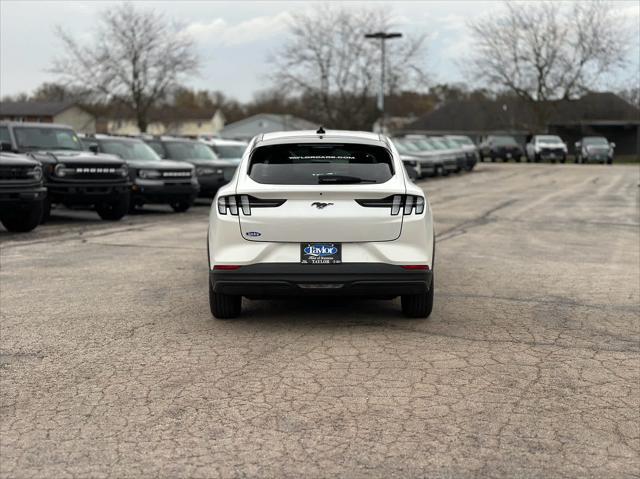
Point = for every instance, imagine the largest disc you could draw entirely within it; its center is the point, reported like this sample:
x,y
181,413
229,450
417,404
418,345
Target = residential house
x,y
167,121
67,113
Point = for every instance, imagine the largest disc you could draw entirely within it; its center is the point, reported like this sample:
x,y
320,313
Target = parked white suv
x,y
546,147
320,213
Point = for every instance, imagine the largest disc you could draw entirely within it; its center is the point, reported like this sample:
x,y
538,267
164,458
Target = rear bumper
x,y
348,279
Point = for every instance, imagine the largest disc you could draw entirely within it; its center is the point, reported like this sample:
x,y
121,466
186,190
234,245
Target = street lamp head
x,y
383,35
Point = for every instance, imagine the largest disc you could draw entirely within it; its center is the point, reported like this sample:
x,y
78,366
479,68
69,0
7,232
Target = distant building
x,y
264,123
603,114
167,121
67,113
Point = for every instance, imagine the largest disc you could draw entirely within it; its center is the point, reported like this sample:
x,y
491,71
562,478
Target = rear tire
x,y
418,305
181,206
114,210
224,306
25,220
46,211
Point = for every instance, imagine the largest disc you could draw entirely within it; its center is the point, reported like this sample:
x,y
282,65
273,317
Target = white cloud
x,y
248,31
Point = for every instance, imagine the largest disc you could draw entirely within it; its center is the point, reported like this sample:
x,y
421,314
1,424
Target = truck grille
x,y
177,174
93,171
555,151
14,173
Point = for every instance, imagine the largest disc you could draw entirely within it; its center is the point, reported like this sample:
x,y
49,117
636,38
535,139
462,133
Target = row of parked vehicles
x,y
42,165
590,149
425,155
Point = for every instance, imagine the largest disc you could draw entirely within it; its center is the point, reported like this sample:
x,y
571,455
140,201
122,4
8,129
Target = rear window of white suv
x,y
314,164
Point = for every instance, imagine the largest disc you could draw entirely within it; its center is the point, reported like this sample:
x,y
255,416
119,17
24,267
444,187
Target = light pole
x,y
383,36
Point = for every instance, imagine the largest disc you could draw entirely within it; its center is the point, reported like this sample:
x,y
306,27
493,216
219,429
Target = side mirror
x,y
6,146
93,149
613,145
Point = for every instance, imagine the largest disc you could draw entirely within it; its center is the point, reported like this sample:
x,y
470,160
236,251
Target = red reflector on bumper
x,y
421,267
226,267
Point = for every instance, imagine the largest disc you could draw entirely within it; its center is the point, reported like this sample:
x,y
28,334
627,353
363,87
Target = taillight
x,y
226,267
397,203
416,267
234,203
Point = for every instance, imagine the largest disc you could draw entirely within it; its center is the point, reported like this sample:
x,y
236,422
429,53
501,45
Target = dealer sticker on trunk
x,y
320,253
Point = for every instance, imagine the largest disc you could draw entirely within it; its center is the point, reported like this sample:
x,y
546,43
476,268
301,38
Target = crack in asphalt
x,y
479,220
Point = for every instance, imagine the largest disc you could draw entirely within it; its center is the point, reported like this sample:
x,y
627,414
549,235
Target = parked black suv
x,y
501,147
73,177
211,171
22,193
152,179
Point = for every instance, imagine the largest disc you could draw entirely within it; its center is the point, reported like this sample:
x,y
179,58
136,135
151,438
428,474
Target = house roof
x,y
33,108
514,114
288,122
165,114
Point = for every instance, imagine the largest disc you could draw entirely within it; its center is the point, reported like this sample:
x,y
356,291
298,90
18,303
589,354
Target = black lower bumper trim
x,y
293,279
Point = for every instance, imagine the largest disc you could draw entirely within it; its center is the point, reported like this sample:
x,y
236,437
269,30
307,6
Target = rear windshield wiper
x,y
342,179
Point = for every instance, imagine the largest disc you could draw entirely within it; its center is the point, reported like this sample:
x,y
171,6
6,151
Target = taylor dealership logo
x,y
320,205
320,250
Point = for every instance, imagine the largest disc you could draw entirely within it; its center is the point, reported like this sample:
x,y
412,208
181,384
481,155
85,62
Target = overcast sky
x,y
235,38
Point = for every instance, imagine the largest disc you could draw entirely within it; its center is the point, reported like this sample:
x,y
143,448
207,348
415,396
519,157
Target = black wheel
x,y
24,220
114,210
577,159
181,206
563,159
224,306
418,305
536,158
493,159
610,161
46,211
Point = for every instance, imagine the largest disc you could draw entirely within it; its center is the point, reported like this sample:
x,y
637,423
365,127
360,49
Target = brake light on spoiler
x,y
233,203
406,203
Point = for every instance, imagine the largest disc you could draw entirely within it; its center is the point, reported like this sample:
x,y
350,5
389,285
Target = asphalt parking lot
x,y
111,364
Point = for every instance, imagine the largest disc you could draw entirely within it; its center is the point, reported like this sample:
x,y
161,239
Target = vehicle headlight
x,y
35,173
60,170
149,174
204,171
124,170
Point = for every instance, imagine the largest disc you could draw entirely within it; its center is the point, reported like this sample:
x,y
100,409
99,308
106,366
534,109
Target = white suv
x,y
320,213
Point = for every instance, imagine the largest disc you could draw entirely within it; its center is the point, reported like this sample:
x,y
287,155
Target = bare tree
x,y
134,58
547,50
328,61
